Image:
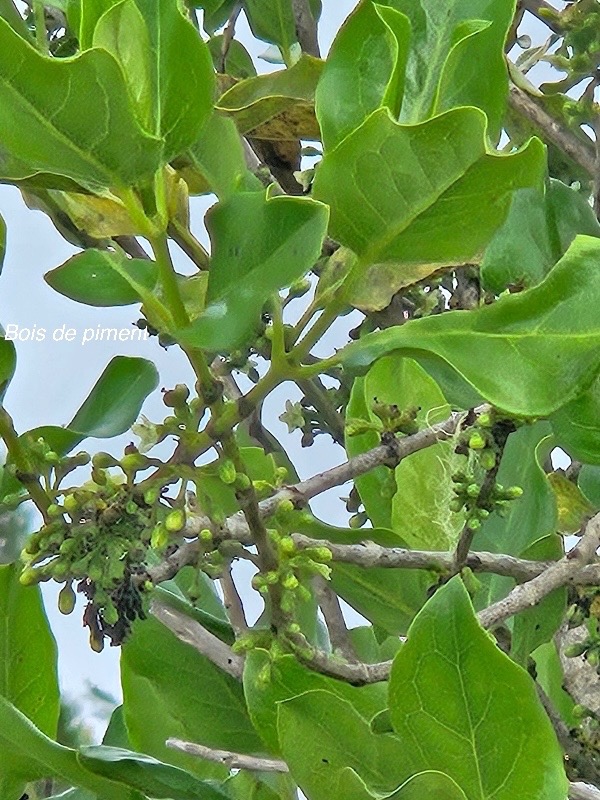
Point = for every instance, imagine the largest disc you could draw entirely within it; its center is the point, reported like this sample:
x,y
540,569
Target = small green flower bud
x,y
175,521
593,657
290,581
103,461
293,628
455,505
54,510
70,504
477,441
513,492
227,472
358,520
473,523
51,457
242,482
485,420
473,490
159,538
29,577
151,496
287,546
110,614
487,459
205,536
271,577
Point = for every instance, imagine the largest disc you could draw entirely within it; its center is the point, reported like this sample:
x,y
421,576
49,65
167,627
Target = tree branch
x,y
227,758
306,28
369,554
527,595
554,131
334,619
581,791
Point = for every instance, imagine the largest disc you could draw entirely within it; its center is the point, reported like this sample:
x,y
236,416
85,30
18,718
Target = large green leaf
x,y
8,362
589,483
202,705
115,401
332,752
29,755
577,425
421,193
238,61
104,278
28,676
527,354
168,67
269,681
538,230
278,105
90,12
146,774
364,71
452,703
251,262
446,40
42,129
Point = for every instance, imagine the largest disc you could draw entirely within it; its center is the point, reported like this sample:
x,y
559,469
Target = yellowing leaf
x,y
572,505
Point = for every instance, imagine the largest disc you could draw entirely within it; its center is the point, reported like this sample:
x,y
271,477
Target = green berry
x,y
29,577
227,472
487,459
66,599
575,649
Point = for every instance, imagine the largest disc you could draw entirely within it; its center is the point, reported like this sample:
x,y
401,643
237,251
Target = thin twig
x,y
537,7
227,758
191,632
228,35
233,604
329,604
306,28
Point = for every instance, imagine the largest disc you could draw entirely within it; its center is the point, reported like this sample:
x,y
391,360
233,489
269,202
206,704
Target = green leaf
x,y
420,506
364,71
150,776
446,40
168,67
29,755
589,483
43,131
269,681
535,626
549,675
537,232
10,13
273,22
203,705
114,403
251,262
327,744
453,706
116,734
8,363
279,105
421,193
90,12
215,162
429,784
529,518
527,354
28,676
238,62
576,425
104,278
